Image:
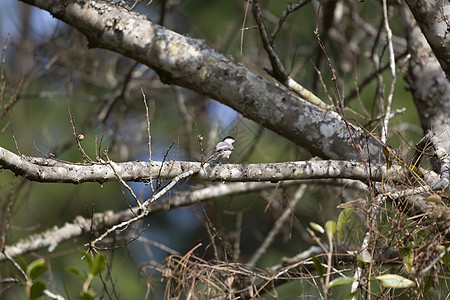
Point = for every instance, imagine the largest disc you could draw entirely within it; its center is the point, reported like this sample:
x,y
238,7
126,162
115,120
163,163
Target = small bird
x,y
223,149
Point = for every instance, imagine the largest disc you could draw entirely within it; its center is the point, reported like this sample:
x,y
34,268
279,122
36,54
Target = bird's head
x,y
229,139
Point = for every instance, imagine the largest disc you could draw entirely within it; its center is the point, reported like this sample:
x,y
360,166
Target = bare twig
x,y
384,129
243,24
277,226
149,140
2,71
163,247
278,71
237,235
121,225
118,93
158,177
368,239
290,8
92,244
143,208
122,182
367,80
78,137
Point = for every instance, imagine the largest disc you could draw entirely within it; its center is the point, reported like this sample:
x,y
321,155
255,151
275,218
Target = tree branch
x,y
51,238
192,64
433,18
430,88
50,170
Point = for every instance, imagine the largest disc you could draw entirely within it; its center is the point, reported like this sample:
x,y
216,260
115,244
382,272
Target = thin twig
x,y
169,186
290,8
199,139
237,236
149,141
278,71
126,243
329,261
367,240
12,132
78,137
384,129
277,227
16,265
122,182
123,224
243,24
366,81
2,71
158,182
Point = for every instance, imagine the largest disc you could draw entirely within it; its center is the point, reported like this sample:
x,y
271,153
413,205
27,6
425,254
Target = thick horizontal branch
x,y
191,63
50,170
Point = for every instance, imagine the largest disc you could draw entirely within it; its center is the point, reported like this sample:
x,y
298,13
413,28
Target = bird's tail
x,y
213,157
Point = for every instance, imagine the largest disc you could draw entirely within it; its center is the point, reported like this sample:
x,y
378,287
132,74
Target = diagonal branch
x,y
278,71
191,63
433,18
430,88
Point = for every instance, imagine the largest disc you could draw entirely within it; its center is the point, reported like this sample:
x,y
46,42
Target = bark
x,y
192,64
50,170
427,81
53,237
433,17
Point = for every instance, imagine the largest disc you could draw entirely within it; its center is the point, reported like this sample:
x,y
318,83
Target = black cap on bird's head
x,y
229,139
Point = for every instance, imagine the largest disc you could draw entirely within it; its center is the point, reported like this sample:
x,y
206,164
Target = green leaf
x,y
408,257
387,154
36,268
419,236
343,219
318,264
20,279
87,257
330,227
428,280
351,295
22,263
404,251
97,264
394,281
434,199
316,227
445,259
341,281
76,271
88,295
37,289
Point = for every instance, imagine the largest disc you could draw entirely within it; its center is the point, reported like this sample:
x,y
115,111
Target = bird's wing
x,y
224,146
213,157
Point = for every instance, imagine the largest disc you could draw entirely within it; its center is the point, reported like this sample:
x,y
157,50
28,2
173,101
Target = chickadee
x,y
223,149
